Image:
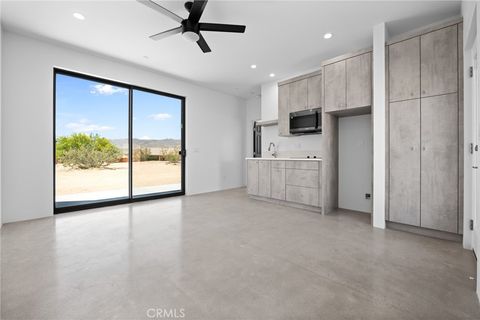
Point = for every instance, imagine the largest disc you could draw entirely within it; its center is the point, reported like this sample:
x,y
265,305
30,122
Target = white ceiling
x,y
283,37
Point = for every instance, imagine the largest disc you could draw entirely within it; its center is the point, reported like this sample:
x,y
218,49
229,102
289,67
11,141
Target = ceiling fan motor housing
x,y
190,31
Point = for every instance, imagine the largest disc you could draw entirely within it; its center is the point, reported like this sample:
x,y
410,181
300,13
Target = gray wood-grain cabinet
x,y
301,93
424,130
348,84
252,177
439,62
264,178
284,110
335,86
439,173
359,81
298,95
291,181
314,92
302,195
278,180
404,174
404,70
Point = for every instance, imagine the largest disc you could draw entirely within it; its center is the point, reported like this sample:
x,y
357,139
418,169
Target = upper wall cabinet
x,y
404,69
348,84
439,62
424,66
335,86
283,109
359,81
297,94
314,95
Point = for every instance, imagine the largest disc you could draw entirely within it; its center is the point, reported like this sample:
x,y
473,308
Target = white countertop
x,y
286,159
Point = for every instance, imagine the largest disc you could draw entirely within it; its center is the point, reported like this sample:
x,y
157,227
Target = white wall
x,y
355,153
295,146
379,125
1,75
214,123
471,36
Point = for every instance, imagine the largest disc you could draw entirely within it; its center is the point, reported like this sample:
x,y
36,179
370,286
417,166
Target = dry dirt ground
x,y
115,176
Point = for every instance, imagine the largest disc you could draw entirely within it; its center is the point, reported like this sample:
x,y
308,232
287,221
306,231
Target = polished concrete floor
x,y
224,256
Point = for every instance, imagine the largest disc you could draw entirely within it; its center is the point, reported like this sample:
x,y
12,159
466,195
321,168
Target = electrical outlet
x,y
367,196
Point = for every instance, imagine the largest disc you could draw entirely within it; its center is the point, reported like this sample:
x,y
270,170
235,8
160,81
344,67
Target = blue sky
x,y
93,107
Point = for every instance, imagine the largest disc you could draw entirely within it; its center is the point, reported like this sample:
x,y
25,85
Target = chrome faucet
x,y
274,153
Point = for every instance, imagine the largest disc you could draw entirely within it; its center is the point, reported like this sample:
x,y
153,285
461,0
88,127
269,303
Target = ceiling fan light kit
x,y
190,28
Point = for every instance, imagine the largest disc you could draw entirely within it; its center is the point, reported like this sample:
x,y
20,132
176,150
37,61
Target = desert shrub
x,y
83,151
163,154
153,157
141,154
173,155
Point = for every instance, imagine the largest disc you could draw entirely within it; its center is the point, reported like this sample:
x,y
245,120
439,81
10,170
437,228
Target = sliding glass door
x,y
114,143
157,143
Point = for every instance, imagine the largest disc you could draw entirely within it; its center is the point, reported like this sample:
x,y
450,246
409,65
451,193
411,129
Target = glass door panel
x,y
157,165
91,141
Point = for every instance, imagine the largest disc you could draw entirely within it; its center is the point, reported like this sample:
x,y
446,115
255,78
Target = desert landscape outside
x,y
92,142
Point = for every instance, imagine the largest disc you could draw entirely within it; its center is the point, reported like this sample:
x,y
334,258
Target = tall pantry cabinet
x,y
425,130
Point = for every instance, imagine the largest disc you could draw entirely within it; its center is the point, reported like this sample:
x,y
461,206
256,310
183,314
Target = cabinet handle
x,y
424,148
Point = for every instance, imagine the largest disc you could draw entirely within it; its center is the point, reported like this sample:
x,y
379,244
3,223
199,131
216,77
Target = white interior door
x,y
476,152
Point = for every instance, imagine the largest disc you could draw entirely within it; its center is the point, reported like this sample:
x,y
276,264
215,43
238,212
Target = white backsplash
x,y
290,147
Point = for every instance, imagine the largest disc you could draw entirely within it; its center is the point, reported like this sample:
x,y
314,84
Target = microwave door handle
x,y
316,119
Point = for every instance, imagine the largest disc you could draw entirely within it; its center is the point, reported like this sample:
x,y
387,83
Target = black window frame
x,y
130,198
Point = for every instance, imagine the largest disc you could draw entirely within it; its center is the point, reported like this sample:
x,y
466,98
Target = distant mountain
x,y
144,143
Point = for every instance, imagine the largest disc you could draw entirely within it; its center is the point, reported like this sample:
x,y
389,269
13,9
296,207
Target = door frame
x,y
130,198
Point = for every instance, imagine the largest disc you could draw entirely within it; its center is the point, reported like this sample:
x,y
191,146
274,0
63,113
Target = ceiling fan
x,y
190,28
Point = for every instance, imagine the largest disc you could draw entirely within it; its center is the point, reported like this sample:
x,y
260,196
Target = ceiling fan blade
x,y
218,27
167,33
155,6
203,44
197,10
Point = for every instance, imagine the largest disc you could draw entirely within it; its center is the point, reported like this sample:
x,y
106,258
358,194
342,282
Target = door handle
x,y
475,167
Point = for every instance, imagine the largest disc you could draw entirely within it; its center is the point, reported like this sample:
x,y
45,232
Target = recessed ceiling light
x,y
272,75
79,16
327,35
253,66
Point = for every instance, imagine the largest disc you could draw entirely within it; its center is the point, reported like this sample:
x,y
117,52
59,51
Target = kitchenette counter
x,y
286,159
293,182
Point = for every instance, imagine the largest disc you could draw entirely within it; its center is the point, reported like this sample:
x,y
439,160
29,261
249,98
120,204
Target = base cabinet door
x,y
264,178
252,177
439,171
302,195
404,142
278,183
284,110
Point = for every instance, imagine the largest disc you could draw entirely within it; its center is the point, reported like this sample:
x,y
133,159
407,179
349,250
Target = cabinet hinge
x,y
471,224
470,72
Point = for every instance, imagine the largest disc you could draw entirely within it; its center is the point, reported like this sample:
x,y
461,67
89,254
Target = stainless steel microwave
x,y
306,121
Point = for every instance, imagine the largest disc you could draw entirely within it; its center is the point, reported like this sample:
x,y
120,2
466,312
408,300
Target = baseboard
x,y
425,232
